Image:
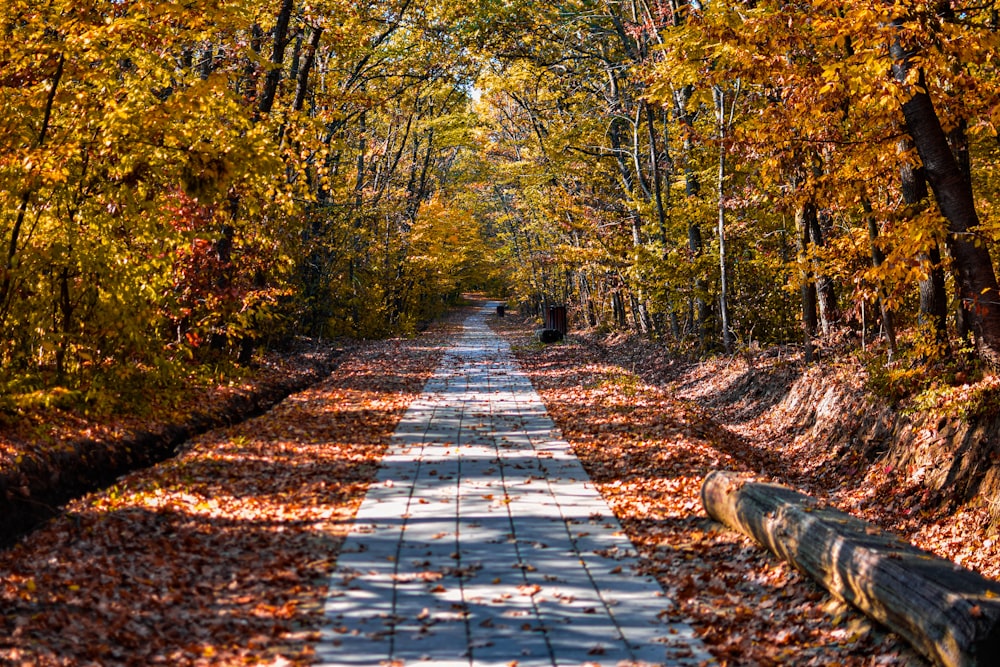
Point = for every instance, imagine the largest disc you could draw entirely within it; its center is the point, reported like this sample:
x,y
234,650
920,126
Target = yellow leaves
x,y
445,246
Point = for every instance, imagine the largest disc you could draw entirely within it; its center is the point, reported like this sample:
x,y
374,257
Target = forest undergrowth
x,y
219,555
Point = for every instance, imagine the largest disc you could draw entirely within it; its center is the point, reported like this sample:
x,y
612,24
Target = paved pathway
x,y
483,543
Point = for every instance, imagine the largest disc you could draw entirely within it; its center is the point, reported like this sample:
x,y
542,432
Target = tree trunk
x,y
976,279
950,614
657,176
692,188
618,308
246,85
933,299
207,63
273,77
826,293
878,257
719,96
810,319
727,334
11,260
958,142
302,80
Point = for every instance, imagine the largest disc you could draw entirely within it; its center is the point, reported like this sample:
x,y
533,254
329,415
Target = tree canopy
x,y
188,180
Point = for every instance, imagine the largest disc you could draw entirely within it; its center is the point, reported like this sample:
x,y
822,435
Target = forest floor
x,y
640,425
649,428
219,555
57,444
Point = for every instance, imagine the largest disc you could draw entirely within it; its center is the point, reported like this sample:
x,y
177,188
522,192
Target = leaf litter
x,y
218,556
648,451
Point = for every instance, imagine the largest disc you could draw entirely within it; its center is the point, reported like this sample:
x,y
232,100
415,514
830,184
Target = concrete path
x,y
483,543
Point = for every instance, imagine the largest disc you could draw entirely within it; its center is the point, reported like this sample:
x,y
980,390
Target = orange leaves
x,y
647,446
218,555
529,590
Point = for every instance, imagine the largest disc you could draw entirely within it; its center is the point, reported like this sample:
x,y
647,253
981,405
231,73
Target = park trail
x,y
482,541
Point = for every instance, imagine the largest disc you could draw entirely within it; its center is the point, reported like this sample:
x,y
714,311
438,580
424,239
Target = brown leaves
x,y
648,452
218,555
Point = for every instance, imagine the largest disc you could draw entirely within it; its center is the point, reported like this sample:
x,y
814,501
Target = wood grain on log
x,y
948,613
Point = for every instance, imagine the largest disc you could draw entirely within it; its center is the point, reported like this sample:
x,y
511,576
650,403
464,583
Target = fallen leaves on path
x,y
648,452
219,555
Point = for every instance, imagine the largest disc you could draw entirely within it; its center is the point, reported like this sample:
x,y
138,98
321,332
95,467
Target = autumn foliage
x,y
725,174
186,182
182,184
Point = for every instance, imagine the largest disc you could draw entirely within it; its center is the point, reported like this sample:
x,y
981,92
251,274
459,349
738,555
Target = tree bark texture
x,y
302,78
277,57
826,291
878,257
810,317
953,192
948,613
933,298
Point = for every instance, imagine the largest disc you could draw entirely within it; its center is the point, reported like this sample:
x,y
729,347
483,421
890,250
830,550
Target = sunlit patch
x,y
649,450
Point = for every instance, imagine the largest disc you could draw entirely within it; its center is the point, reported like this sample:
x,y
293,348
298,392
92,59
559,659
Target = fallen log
x,y
947,612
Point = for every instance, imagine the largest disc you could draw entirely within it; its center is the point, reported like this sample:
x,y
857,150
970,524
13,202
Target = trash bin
x,y
555,318
500,310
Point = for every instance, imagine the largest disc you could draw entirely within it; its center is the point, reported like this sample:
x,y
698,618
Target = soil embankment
x,y
39,474
929,474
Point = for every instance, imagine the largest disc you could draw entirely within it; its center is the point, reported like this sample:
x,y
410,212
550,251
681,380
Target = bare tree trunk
x,y
878,257
618,307
583,288
280,41
302,80
661,215
692,188
826,294
719,96
948,613
933,299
